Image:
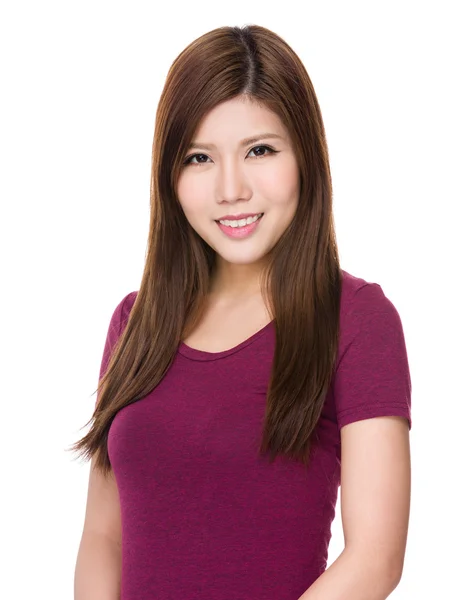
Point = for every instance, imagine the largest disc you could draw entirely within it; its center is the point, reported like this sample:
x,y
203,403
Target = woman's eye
x,y
189,162
271,151
198,162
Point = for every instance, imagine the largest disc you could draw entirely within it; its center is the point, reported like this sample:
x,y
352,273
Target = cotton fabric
x,y
203,516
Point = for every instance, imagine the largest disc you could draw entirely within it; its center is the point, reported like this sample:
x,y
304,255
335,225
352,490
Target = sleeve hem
x,y
388,410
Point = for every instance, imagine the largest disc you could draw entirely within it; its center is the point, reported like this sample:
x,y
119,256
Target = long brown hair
x,y
302,281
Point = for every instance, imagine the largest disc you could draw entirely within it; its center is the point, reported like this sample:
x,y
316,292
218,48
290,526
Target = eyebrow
x,y
246,142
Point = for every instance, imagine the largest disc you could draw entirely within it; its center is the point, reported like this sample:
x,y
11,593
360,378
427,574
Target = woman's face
x,y
225,175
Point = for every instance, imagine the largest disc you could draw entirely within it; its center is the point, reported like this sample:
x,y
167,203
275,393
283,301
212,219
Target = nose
x,y
232,183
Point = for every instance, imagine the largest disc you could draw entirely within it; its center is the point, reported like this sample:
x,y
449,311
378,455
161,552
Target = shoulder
x,y
358,294
121,314
126,306
118,320
365,304
372,376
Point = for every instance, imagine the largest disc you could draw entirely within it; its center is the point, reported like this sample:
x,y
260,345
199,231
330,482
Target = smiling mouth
x,y
258,215
240,231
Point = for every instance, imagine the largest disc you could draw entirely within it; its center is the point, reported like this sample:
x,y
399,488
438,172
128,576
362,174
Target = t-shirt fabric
x,y
203,515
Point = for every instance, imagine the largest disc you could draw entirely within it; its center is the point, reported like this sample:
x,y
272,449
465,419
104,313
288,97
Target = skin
x,y
231,178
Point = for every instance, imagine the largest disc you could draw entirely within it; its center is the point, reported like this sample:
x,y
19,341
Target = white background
x,y
80,83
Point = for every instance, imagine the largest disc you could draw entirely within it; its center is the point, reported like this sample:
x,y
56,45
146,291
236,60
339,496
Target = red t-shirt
x,y
203,517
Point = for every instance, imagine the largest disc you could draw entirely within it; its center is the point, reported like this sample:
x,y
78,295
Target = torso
x,y
225,326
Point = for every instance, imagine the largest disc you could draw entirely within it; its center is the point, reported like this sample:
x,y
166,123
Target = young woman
x,y
249,376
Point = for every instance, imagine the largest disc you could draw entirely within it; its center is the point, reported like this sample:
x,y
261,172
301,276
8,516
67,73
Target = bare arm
x,y
375,504
98,564
98,569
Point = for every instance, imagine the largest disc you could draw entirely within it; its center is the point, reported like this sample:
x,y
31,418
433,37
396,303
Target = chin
x,y
238,258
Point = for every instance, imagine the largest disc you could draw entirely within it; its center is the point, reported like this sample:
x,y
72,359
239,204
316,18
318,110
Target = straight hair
x,y
301,283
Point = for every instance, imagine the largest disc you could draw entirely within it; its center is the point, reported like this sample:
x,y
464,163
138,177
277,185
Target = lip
x,y
237,217
240,232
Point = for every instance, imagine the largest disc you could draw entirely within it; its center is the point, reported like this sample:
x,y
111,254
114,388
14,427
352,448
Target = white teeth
x,y
241,222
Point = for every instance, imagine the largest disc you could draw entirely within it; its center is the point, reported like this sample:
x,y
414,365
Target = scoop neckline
x,y
195,354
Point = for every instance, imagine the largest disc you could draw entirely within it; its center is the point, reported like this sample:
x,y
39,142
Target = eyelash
x,y
189,164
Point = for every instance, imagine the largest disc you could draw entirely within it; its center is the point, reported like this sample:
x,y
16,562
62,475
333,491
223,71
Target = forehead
x,y
235,120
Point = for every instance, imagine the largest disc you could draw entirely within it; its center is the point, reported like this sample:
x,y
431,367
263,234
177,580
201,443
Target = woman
x,y
249,376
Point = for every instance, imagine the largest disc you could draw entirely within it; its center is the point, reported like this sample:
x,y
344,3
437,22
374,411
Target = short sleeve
x,y
372,377
114,330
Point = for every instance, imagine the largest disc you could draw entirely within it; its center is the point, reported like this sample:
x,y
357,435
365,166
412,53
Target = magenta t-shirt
x,y
203,516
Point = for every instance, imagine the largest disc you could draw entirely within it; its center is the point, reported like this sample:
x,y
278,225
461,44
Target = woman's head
x,y
228,85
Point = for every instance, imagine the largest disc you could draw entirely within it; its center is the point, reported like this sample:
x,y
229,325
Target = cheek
x,y
280,183
189,194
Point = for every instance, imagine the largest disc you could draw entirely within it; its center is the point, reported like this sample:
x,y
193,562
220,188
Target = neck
x,y
235,282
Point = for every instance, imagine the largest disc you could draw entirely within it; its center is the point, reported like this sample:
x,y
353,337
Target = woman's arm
x,y
375,504
98,565
98,568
